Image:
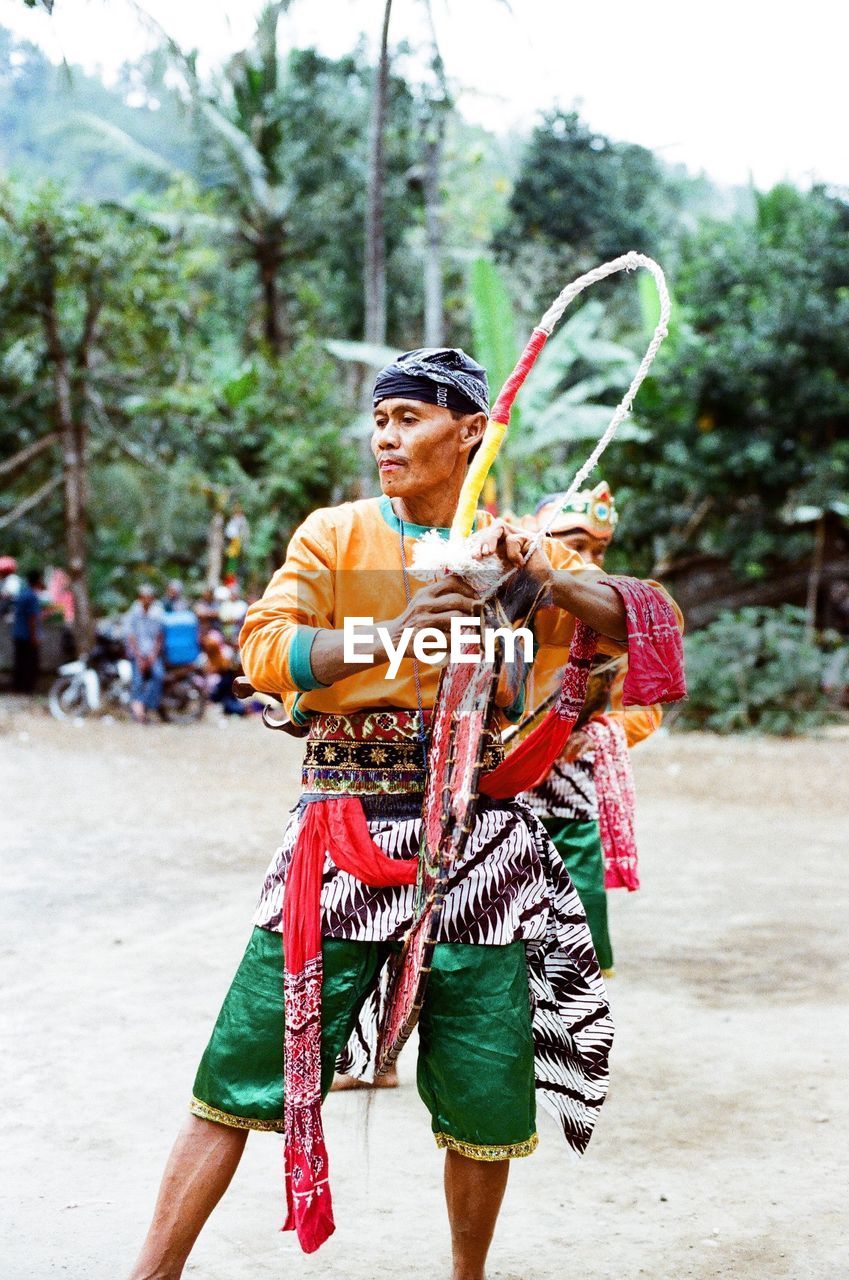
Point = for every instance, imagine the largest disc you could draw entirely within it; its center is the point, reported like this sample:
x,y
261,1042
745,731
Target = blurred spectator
x,y
60,594
174,601
10,584
236,531
25,633
221,664
232,607
61,601
206,606
145,638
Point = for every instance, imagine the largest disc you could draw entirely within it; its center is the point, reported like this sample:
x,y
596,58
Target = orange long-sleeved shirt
x,y
345,562
638,722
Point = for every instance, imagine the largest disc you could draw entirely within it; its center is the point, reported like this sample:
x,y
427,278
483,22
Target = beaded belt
x,y
372,753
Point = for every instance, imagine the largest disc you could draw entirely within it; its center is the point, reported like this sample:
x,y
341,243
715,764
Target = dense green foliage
x,y
325,106
93,304
760,670
173,418
749,406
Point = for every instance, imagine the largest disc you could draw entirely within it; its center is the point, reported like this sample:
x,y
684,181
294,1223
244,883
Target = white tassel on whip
x,y
434,556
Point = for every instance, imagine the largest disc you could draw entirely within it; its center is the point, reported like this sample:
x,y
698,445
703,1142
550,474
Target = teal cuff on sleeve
x,y
300,667
298,716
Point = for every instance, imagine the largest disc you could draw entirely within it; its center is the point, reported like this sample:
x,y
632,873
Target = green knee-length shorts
x,y
476,1048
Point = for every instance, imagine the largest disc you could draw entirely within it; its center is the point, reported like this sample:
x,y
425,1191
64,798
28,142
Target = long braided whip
x,y
627,262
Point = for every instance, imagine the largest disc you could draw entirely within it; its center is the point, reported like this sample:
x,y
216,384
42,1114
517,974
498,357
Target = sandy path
x,y
132,860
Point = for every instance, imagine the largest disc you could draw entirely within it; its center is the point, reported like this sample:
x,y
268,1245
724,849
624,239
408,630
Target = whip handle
x,y
493,438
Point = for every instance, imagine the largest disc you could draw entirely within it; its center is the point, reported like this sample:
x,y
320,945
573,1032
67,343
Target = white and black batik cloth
x,y
510,885
567,792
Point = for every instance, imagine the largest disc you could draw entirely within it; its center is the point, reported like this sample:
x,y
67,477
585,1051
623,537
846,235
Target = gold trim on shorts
x,y
512,1151
205,1112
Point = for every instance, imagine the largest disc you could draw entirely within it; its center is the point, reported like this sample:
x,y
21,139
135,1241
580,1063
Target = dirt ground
x,y
132,859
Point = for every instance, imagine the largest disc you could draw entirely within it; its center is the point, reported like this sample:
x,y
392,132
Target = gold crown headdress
x,y
593,510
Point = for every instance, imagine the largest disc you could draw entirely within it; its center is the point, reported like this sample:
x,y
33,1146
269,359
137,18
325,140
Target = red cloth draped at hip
x,y
336,827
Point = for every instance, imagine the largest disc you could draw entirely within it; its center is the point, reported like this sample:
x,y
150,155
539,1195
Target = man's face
x,y
420,446
590,549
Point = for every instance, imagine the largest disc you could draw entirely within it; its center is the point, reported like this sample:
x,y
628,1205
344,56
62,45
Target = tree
x,y
299,124
436,107
579,199
90,305
292,416
239,126
748,405
374,279
325,106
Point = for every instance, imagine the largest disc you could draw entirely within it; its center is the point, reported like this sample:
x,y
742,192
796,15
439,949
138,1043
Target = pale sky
x,y
744,89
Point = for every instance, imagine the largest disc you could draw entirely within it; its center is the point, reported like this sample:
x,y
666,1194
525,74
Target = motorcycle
x,y
96,681
100,681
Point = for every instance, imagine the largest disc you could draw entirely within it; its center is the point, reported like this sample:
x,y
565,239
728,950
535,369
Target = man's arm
x,y
595,603
278,630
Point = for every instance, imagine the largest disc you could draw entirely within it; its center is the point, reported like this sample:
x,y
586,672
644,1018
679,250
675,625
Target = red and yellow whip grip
x,y
493,437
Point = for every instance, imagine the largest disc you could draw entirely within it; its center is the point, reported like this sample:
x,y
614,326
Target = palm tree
x,y
374,275
240,125
437,108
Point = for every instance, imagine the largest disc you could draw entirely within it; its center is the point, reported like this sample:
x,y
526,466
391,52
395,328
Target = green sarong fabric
x,y
579,845
476,1048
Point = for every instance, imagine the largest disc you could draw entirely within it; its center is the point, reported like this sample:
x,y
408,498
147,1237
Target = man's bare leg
x,y
474,1190
202,1162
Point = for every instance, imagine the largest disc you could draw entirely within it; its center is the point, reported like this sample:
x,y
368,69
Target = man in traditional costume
x,y
515,1006
586,803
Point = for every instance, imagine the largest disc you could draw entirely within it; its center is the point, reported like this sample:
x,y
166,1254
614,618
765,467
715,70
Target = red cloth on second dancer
x,y
614,785
337,827
655,652
530,762
655,674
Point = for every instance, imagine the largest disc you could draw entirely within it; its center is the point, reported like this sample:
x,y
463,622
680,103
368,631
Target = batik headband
x,y
438,375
